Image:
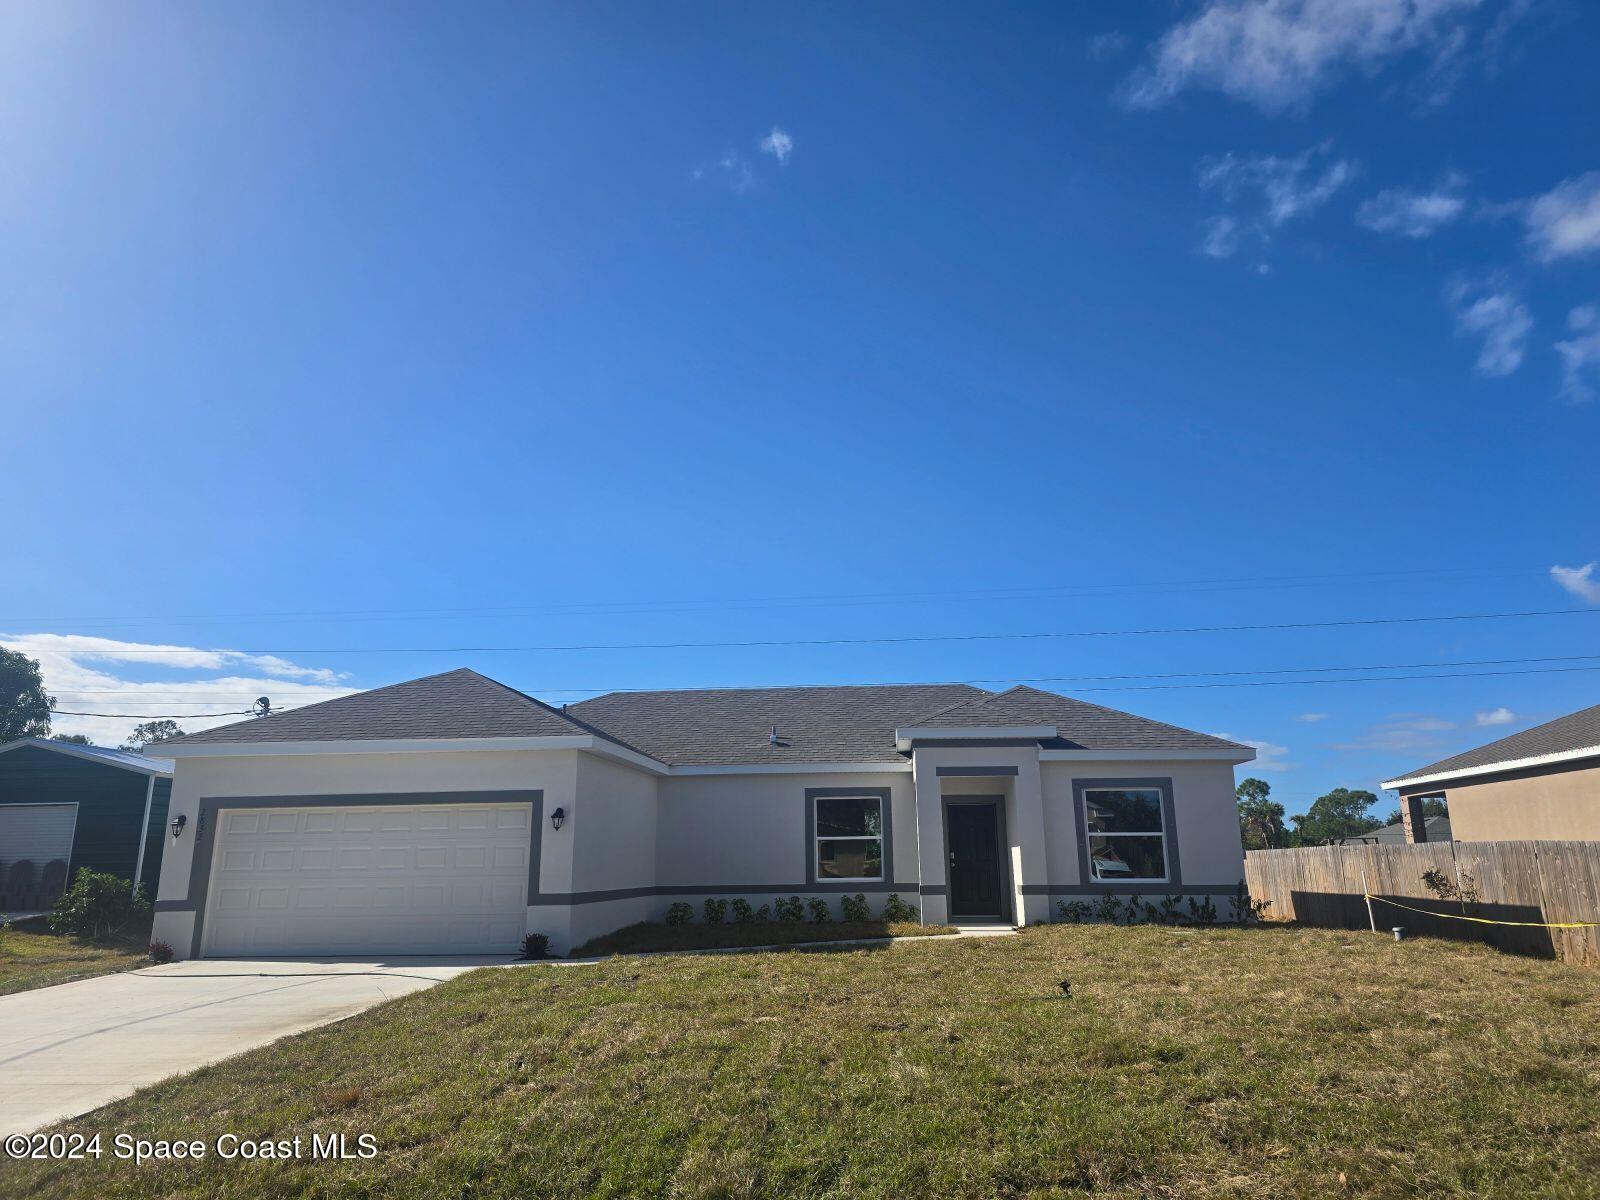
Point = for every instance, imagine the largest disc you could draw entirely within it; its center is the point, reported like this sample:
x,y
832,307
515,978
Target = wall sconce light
x,y
557,817
177,823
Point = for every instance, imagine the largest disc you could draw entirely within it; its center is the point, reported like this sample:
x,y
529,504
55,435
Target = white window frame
x,y
1090,834
818,838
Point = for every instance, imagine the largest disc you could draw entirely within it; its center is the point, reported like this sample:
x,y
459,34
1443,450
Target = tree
x,y
1341,813
1260,819
151,731
24,704
76,739
1432,806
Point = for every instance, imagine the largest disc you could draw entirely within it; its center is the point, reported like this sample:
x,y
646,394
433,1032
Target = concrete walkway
x,y
68,1049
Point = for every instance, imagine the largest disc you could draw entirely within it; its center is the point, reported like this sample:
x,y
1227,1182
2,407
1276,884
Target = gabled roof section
x,y
456,704
1082,726
127,760
1576,735
728,726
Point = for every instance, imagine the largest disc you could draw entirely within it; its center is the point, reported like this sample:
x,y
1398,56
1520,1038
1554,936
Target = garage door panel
x,y
417,879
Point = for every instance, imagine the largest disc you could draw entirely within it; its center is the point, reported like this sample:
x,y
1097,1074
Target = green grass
x,y
1205,1062
33,957
650,936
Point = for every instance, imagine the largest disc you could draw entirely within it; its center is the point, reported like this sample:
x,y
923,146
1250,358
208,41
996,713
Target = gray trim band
x,y
556,899
1129,889
1169,825
210,806
887,835
972,772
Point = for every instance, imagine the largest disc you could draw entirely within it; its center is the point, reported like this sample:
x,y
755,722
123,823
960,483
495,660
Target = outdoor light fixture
x,y
178,822
557,817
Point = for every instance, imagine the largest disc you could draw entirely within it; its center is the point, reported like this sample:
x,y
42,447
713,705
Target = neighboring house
x,y
77,806
1437,829
452,814
1541,783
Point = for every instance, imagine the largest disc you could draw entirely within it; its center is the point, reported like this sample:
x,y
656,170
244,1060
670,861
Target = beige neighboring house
x,y
453,814
1542,783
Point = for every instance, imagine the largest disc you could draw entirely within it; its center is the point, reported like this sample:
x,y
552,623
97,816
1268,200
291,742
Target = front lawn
x,y
33,957
1197,1062
650,936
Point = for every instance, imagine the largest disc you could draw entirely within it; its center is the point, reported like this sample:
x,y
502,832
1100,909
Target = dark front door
x,y
972,833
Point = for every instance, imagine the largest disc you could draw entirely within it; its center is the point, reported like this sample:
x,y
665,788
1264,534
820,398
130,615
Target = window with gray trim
x,y
1127,835
848,838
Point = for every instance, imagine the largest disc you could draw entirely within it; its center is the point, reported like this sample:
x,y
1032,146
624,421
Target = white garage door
x,y
40,833
408,879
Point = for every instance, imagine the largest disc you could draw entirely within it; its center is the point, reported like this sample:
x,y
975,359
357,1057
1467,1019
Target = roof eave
x,y
1496,768
149,766
264,749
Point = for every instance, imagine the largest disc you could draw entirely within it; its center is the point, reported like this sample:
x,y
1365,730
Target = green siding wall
x,y
110,806
156,841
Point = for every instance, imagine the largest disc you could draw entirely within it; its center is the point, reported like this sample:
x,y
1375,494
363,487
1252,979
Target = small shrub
x,y
1244,910
716,911
742,912
1170,913
1204,911
680,913
1076,912
535,945
97,905
896,909
1106,908
855,909
160,952
1464,892
820,912
1134,913
764,913
789,911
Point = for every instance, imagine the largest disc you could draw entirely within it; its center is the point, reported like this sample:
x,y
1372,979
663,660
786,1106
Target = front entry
x,y
976,872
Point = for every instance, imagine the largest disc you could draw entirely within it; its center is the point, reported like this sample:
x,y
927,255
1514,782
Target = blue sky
x,y
335,329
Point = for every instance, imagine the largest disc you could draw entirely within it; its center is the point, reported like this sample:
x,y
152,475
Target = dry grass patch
x,y
650,936
1187,1063
33,957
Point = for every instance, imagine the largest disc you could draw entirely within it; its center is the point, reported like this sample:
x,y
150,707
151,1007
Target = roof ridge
x,y
581,726
779,687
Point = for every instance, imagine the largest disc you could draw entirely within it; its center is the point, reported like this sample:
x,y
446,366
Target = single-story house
x,y
452,814
64,807
1542,783
1437,829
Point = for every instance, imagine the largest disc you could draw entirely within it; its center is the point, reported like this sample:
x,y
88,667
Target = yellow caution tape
x,y
1486,920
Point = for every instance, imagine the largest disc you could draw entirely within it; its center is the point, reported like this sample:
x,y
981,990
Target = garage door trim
x,y
205,837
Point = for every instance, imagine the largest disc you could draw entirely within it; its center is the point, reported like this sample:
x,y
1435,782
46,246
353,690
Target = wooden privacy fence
x,y
1545,882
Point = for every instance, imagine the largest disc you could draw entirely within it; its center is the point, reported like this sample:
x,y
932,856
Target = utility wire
x,y
896,640
197,696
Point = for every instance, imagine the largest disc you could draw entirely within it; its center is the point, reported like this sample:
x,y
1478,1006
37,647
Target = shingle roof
x,y
711,727
1575,731
1083,726
456,704
733,725
127,759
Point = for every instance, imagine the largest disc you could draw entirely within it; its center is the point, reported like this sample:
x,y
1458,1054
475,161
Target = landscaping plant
x,y
855,909
97,905
820,912
716,910
680,913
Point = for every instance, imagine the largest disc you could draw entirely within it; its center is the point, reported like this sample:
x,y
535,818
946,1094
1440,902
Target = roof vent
x,y
772,738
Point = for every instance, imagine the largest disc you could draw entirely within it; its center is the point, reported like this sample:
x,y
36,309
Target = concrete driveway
x,y
68,1049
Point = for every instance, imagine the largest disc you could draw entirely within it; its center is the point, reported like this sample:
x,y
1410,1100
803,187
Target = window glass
x,y
849,837
1127,837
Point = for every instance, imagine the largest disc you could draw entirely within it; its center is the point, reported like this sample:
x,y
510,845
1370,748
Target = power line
x,y
180,696
888,641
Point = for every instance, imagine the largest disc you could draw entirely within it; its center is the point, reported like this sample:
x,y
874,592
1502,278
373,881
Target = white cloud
x,y
1269,755
1580,581
1498,316
730,169
1283,188
1497,716
778,144
155,679
1565,221
1221,238
1107,45
1312,718
1277,54
1414,214
1402,733
1580,354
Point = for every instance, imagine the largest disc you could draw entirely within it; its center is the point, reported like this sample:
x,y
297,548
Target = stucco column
x,y
931,877
1025,831
1411,819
